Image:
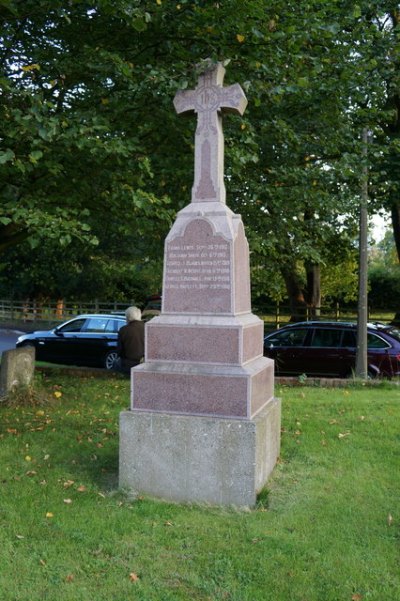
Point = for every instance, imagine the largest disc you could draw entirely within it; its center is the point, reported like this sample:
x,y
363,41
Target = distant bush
x,y
384,285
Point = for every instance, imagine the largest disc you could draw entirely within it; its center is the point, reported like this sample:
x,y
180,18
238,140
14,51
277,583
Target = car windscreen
x,y
72,326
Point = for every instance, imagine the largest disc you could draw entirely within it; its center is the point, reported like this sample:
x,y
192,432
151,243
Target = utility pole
x,y
362,313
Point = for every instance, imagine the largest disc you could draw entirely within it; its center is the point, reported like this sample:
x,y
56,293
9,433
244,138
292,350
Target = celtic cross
x,y
209,100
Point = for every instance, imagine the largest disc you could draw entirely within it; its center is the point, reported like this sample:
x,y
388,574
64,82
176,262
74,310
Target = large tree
x,y
88,131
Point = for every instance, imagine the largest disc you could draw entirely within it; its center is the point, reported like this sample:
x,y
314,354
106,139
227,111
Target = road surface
x,y
8,339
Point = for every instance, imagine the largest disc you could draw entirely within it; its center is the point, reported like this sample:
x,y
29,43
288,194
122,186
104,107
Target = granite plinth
x,y
206,263
227,391
204,339
190,458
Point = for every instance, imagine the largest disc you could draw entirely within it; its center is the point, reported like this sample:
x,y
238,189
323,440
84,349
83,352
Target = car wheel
x,y
110,359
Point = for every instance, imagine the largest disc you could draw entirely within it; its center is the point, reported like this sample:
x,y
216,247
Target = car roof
x,y
100,315
338,324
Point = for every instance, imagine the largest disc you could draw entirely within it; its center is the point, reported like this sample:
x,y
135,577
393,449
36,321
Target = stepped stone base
x,y
191,458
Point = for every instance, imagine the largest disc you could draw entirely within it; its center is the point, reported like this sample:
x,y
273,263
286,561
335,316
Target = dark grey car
x,y
89,340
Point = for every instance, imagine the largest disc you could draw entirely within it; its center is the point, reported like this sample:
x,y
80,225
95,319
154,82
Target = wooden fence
x,y
35,311
32,312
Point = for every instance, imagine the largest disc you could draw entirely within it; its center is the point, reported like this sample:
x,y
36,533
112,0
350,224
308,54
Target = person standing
x,y
130,344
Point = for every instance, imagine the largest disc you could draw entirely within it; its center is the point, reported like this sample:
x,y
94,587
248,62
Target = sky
x,y
379,225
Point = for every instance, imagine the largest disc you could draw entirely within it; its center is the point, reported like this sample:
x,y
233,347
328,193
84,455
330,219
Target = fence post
x,y
277,315
337,311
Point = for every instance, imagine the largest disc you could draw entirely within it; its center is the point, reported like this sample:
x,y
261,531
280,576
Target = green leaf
x,y
139,24
6,155
35,155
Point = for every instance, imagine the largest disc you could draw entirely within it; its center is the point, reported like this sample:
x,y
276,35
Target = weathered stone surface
x,y
199,459
17,368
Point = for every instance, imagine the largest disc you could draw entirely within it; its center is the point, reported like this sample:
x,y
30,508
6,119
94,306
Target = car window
x,y
349,338
96,324
113,325
292,337
72,326
374,341
326,338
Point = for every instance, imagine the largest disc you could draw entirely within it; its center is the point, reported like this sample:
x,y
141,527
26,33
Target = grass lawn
x,y
327,528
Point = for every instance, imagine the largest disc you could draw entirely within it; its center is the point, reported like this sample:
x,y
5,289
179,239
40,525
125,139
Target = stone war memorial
x,y
204,425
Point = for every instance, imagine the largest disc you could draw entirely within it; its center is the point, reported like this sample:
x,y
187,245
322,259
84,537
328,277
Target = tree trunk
x,y
295,292
313,291
396,226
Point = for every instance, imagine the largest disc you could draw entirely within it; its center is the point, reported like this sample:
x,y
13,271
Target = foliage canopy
x,y
94,162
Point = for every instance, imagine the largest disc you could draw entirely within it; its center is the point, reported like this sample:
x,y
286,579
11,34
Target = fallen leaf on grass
x,y
69,578
356,597
57,394
19,536
30,473
168,524
42,562
389,519
49,514
133,577
343,434
28,458
81,488
68,501
68,483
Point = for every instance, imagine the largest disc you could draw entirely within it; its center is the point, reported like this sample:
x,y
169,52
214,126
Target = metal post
x,y
362,314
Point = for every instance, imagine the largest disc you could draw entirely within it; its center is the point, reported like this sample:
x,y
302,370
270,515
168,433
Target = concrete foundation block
x,y
190,458
17,368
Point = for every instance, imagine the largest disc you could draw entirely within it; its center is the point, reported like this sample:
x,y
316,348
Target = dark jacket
x,y
130,345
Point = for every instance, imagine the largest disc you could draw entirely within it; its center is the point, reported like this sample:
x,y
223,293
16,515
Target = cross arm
x,y
184,101
234,99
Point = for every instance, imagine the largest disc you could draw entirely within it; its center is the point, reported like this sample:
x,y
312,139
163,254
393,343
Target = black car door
x,y
60,345
287,348
92,341
324,356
